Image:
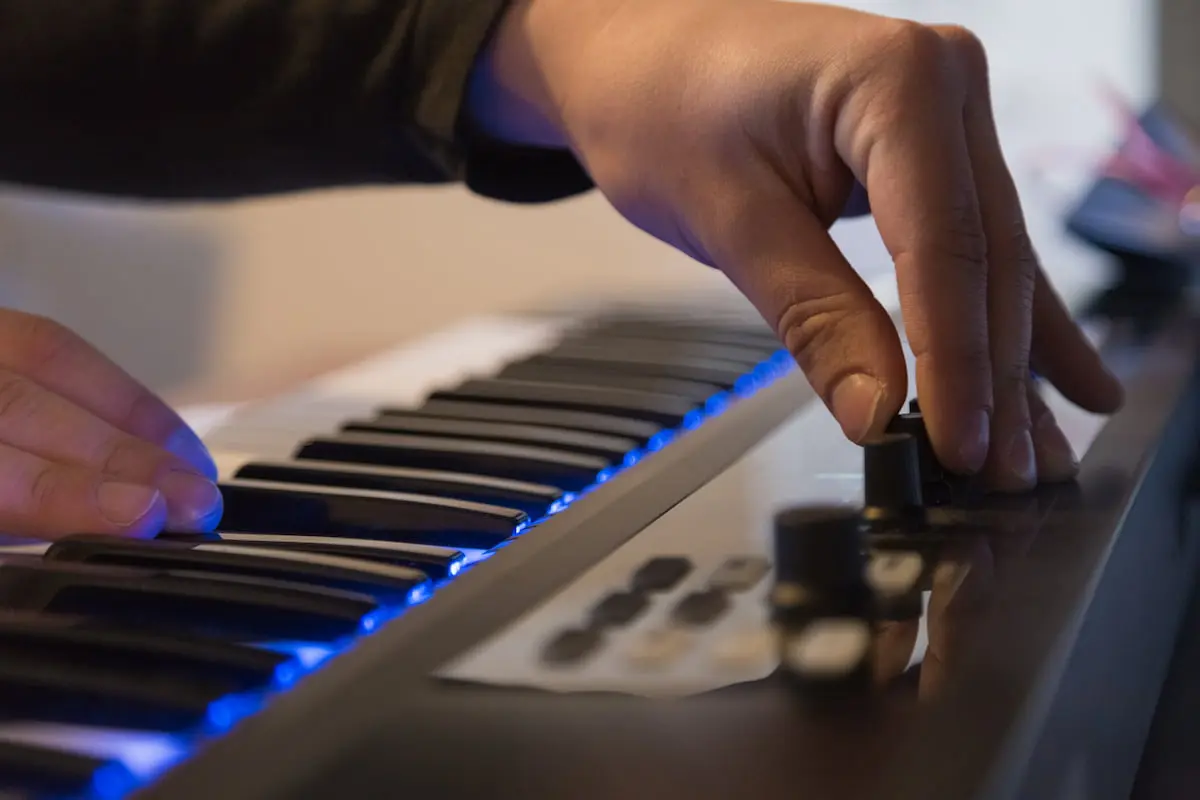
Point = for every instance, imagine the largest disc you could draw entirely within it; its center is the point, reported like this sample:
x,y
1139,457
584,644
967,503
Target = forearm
x,y
214,99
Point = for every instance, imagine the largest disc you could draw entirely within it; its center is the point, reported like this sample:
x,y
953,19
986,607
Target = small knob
x,y
914,407
818,546
914,425
892,478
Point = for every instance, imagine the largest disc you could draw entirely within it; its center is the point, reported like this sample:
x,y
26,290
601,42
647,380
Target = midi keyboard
x,y
620,553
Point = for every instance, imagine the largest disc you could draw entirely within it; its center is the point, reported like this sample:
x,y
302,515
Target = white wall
x,y
221,301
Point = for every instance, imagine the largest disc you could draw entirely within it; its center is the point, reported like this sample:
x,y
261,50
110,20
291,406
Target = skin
x,y
737,131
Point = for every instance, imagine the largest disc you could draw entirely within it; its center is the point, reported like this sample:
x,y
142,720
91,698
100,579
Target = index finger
x,y
64,363
906,142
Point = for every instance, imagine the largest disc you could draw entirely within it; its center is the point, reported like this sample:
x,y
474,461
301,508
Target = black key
x,y
436,562
267,507
593,444
571,646
386,583
639,430
582,376
746,357
619,608
662,409
32,770
532,498
701,608
80,671
762,339
722,374
228,607
661,574
568,471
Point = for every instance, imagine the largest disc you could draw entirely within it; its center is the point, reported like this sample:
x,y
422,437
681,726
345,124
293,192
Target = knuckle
x,y
122,456
817,331
968,49
44,490
18,400
912,51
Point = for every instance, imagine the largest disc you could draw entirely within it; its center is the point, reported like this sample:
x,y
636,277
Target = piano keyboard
x,y
346,504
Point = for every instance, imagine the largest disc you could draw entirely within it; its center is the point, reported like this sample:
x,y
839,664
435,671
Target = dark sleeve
x,y
221,99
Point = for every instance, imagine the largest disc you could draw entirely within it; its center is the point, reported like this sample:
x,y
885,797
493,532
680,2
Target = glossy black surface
x,y
639,430
661,409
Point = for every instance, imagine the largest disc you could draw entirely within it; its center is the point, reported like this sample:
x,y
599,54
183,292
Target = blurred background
x,y
232,301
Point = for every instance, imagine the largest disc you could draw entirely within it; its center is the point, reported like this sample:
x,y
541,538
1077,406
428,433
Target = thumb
x,y
785,262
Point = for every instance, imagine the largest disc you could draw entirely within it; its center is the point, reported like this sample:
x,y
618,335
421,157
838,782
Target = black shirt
x,y
221,99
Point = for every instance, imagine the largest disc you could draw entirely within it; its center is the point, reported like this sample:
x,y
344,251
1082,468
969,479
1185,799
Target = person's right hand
x,y
85,448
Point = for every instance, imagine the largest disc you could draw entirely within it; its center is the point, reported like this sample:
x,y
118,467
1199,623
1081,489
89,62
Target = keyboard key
x,y
660,409
572,646
582,376
639,430
436,562
661,574
267,507
35,771
746,357
386,583
78,671
239,608
619,608
721,374
679,331
612,448
532,498
701,608
568,471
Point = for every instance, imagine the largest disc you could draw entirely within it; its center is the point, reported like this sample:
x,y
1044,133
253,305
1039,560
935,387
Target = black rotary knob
x,y
892,478
914,425
819,546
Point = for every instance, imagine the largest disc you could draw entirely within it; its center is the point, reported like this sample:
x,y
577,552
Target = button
x,y
722,374
35,771
661,409
658,648
582,376
387,583
241,608
568,471
661,574
701,608
612,448
571,646
436,562
266,507
739,574
639,430
532,498
80,671
619,608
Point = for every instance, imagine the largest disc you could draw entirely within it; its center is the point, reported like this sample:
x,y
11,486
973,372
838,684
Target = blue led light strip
x,y
115,781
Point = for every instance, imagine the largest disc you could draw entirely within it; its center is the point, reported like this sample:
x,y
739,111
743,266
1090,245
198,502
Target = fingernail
x,y
1056,460
187,445
194,503
1020,461
975,440
855,402
125,503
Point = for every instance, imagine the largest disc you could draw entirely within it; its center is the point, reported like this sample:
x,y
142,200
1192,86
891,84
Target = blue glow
x,y
116,780
112,781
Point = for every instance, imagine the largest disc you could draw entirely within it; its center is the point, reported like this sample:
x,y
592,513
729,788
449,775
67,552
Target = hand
x,y
738,131
84,448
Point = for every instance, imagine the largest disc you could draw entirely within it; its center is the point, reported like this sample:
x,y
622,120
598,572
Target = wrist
x,y
520,82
